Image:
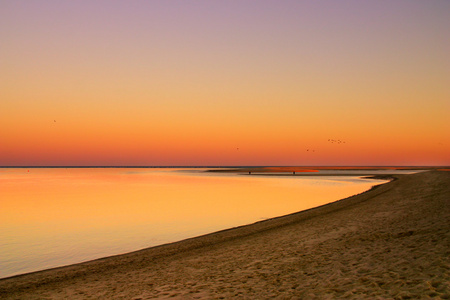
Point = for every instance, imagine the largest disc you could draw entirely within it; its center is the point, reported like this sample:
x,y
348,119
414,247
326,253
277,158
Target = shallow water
x,y
55,217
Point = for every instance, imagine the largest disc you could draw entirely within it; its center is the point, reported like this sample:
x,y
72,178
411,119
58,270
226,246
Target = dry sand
x,y
390,242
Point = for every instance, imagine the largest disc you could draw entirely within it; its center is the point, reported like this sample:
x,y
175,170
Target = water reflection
x,y
53,217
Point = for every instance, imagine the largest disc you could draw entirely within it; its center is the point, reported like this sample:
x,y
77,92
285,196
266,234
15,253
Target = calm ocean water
x,y
56,217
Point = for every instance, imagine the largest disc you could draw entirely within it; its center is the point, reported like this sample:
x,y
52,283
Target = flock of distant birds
x,y
332,141
336,141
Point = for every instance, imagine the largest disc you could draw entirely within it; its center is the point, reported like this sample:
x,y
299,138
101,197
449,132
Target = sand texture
x,y
392,242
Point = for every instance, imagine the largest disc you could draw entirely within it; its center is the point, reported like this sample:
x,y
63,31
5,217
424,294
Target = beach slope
x,y
390,242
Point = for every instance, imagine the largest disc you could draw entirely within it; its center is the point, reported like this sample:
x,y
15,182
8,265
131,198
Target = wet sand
x,y
390,242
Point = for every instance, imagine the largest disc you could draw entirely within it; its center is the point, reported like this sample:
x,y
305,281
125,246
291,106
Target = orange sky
x,y
220,83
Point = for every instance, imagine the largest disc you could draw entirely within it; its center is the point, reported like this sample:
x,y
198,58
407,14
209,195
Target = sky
x,y
185,83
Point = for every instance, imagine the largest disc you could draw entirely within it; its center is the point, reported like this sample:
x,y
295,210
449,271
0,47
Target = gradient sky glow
x,y
224,82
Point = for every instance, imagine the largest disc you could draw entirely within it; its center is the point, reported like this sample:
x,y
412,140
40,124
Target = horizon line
x,y
235,166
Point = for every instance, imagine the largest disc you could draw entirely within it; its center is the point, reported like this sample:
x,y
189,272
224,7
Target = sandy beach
x,y
392,242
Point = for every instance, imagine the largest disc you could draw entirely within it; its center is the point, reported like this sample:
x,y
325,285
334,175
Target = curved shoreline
x,y
62,281
227,233
367,186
